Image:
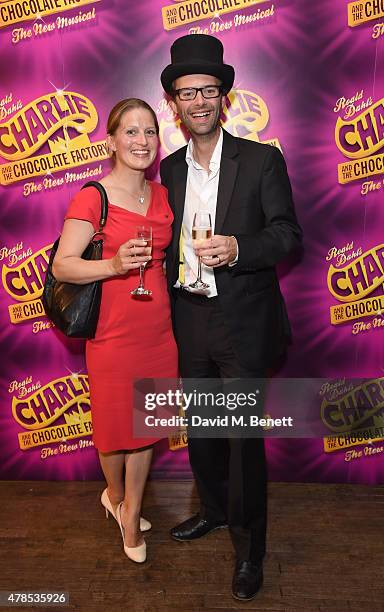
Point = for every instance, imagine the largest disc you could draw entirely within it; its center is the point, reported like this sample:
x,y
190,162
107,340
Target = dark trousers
x,y
230,474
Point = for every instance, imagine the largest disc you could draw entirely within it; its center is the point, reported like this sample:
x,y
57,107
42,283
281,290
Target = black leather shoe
x,y
247,580
194,528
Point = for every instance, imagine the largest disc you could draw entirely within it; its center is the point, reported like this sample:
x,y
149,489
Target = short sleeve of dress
x,y
86,205
163,190
162,194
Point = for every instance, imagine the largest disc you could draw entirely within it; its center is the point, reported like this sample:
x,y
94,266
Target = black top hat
x,y
197,54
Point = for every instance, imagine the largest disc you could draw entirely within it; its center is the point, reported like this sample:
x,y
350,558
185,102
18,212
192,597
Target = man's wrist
x,y
234,261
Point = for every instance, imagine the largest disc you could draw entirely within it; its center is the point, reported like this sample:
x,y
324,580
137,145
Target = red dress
x,y
134,337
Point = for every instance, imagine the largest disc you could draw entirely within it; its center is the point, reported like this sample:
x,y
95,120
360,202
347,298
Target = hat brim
x,y
224,72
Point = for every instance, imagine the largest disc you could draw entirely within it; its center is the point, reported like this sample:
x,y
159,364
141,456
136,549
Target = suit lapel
x,y
179,172
228,173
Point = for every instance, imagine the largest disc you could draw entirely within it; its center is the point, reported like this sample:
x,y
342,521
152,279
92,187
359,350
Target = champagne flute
x,y
201,229
144,233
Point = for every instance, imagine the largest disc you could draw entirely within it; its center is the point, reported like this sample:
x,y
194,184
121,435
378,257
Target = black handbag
x,y
73,308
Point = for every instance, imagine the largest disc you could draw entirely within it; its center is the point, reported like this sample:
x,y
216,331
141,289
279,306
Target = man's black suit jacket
x,y
255,205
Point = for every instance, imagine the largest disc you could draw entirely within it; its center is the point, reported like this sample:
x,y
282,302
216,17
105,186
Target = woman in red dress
x,y
134,336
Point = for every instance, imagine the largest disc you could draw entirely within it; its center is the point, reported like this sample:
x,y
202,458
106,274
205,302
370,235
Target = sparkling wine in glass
x,y
201,230
144,233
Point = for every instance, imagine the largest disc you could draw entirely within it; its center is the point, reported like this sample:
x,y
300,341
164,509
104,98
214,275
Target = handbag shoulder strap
x,y
104,202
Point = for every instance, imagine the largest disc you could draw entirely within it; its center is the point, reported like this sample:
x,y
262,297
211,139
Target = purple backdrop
x,y
309,79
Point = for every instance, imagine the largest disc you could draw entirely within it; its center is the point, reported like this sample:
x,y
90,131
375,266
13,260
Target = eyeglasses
x,y
190,93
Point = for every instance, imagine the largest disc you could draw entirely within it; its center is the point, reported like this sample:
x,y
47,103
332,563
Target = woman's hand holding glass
x,y
130,256
143,233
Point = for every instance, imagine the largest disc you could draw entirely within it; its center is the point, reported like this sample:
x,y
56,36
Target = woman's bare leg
x,y
112,465
137,466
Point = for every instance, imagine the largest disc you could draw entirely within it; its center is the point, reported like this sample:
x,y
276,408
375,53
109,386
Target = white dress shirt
x,y
200,194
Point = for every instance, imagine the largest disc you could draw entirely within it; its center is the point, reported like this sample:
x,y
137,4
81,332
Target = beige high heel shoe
x,y
138,554
106,502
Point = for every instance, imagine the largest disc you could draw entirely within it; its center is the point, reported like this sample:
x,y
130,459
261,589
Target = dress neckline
x,y
132,212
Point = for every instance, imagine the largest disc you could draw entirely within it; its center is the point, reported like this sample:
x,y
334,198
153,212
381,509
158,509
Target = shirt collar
x,y
214,164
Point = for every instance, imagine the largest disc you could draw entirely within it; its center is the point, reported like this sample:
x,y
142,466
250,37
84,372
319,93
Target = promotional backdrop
x,y
309,80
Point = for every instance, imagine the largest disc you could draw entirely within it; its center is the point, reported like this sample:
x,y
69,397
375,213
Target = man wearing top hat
x,y
237,327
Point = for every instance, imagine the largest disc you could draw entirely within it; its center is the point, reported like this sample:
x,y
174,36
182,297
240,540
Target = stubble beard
x,y
203,132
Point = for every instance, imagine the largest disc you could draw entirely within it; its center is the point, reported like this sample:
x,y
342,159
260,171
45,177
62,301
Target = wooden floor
x,y
325,550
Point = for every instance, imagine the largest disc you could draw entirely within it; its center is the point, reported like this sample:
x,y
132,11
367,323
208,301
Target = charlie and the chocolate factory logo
x,y
245,115
59,122
23,274
353,412
188,12
14,13
359,136
53,413
361,12
355,279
